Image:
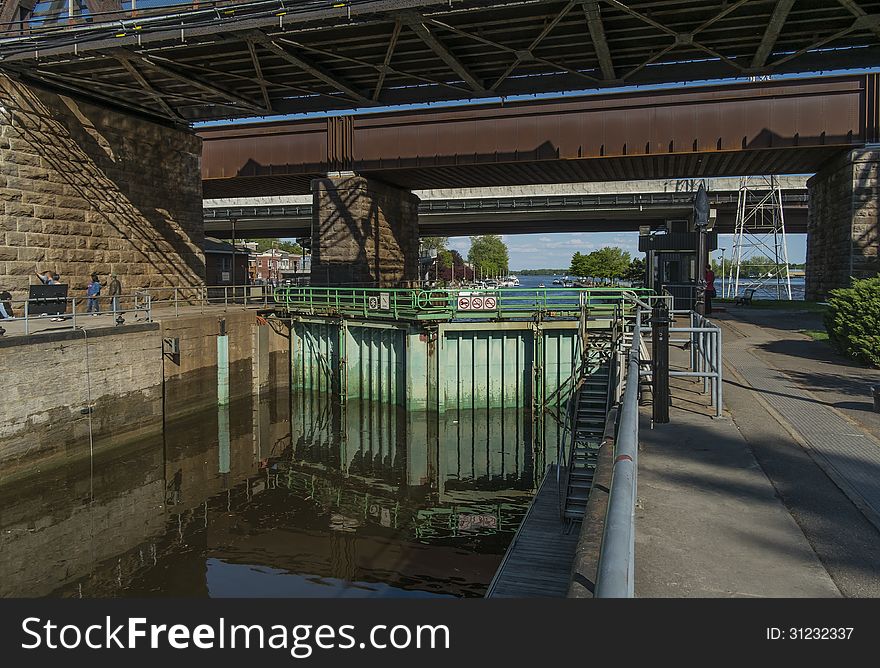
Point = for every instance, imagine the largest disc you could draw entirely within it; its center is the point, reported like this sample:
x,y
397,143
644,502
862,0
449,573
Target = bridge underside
x,y
218,222
773,127
189,62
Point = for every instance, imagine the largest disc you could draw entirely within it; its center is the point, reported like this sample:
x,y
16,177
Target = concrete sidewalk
x,y
790,397
709,522
38,325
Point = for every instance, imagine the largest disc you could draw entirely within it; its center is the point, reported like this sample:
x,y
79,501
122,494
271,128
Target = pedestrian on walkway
x,y
710,289
93,292
48,278
6,306
114,290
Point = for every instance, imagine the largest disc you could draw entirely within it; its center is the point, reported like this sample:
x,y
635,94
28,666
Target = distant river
x,y
766,291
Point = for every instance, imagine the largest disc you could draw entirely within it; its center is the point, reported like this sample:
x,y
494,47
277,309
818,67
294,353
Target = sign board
x,y
374,303
385,301
477,302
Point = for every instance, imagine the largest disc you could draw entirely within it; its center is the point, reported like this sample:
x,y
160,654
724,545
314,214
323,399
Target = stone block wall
x,y
364,233
87,189
843,233
50,380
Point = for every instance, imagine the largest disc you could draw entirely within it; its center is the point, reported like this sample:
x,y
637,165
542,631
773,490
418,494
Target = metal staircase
x,y
590,405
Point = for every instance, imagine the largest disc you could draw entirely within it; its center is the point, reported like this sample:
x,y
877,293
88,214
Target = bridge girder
x,y
241,59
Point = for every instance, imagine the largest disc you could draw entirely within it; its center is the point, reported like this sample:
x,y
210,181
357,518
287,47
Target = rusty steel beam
x,y
764,127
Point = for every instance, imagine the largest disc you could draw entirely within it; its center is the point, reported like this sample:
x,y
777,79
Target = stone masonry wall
x,y
49,380
86,189
843,227
364,233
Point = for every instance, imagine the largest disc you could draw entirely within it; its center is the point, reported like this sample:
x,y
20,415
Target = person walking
x,y
114,290
93,292
710,289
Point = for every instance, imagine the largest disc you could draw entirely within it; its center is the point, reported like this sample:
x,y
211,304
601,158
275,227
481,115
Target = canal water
x,y
279,495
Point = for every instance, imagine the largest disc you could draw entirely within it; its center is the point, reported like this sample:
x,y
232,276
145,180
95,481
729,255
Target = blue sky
x,y
554,251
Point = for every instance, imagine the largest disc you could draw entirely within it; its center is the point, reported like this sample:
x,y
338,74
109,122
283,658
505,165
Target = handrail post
x,y
73,310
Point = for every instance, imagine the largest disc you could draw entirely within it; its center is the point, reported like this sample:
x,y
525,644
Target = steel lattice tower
x,y
759,241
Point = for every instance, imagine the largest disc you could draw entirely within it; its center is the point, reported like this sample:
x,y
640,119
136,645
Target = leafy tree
x,y
280,244
607,262
489,255
853,320
435,243
636,270
446,258
456,269
578,264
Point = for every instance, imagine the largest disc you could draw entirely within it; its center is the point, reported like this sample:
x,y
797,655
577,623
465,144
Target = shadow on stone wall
x,y
93,190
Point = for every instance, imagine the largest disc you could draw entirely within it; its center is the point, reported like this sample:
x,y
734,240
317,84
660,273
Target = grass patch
x,y
816,334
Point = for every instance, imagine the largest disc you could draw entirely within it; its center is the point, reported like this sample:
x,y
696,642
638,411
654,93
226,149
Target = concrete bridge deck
x,y
611,206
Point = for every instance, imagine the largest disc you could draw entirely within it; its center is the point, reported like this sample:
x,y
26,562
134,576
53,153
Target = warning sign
x,y
477,303
374,303
384,301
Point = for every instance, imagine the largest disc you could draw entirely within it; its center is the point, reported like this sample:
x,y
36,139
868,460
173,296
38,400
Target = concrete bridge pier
x,y
364,233
843,229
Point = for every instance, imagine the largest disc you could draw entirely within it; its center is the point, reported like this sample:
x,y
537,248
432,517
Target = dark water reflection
x,y
340,501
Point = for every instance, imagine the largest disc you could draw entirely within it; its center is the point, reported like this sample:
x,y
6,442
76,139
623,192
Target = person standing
x,y
93,292
114,290
6,305
48,278
710,288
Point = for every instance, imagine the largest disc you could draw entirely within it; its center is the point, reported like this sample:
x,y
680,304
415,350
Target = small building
x,y
220,257
672,260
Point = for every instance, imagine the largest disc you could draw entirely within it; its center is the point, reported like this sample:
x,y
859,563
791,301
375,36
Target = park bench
x,y
745,298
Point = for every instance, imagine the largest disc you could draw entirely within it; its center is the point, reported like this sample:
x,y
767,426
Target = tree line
x,y
609,263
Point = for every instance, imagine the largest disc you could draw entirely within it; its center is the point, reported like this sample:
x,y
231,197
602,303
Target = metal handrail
x,y
449,303
615,577
72,315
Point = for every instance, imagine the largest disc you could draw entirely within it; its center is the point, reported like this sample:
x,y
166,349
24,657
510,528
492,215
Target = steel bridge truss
x,y
196,60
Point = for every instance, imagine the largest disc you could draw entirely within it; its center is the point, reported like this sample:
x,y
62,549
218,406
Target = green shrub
x,y
853,320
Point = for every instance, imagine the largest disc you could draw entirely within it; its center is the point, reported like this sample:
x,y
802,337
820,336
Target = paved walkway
x,y
38,325
822,401
709,522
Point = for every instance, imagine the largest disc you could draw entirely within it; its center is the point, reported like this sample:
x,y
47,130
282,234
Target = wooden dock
x,y
539,560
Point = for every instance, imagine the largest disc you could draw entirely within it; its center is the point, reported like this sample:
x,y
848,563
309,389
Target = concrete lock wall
x,y
86,189
258,358
50,380
129,378
843,239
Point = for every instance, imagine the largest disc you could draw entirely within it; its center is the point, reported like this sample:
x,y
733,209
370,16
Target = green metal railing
x,y
477,304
